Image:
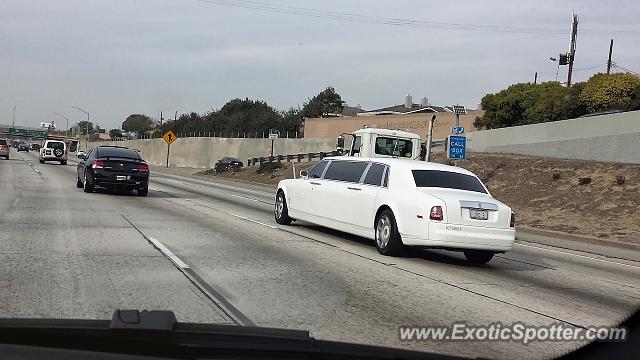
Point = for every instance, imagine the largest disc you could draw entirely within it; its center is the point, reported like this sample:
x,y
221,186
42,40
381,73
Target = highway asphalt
x,y
211,252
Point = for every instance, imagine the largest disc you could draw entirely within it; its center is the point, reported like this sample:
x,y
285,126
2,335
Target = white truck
x,y
375,142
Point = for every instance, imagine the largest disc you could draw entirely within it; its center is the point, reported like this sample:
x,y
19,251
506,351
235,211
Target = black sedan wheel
x,y
88,186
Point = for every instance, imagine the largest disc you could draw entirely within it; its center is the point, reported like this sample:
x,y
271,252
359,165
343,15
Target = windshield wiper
x,y
158,333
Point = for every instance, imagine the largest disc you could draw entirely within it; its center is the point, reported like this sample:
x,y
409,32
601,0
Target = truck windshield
x,y
393,147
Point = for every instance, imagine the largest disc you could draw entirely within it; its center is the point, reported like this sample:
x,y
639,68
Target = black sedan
x,y
113,167
228,163
23,147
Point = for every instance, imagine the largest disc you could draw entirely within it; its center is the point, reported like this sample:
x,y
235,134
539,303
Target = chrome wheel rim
x,y
279,206
383,231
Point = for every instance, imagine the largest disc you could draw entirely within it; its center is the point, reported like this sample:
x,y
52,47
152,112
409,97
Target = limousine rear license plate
x,y
122,177
479,214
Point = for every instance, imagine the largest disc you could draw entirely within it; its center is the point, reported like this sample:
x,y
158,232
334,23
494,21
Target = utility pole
x,y
535,78
572,49
175,117
609,61
161,118
14,116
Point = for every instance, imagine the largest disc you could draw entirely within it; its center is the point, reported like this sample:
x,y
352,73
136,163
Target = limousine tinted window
x,y
374,175
446,179
346,170
316,171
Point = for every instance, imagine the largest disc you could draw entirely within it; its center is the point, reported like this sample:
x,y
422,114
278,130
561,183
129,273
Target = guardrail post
x,y
289,158
271,158
261,161
310,156
280,157
300,157
255,160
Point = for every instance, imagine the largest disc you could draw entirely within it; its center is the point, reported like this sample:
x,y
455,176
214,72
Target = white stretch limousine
x,y
399,202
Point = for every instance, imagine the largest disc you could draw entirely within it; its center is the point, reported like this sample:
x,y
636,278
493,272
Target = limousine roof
x,y
406,164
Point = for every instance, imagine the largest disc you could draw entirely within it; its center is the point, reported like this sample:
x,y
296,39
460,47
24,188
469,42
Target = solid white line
x,y
253,221
168,253
36,170
582,256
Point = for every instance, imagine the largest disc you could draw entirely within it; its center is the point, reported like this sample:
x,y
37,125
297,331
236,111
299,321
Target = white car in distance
x,y
398,203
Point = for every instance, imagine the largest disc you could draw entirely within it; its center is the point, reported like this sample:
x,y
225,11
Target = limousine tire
x,y
281,211
478,256
387,236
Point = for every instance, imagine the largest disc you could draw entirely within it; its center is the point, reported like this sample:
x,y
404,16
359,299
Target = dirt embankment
x,y
545,193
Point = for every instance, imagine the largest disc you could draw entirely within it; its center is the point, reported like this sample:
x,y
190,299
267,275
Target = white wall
x,y
201,152
613,137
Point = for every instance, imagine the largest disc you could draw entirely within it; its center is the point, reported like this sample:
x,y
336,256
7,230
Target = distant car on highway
x,y
227,163
4,148
35,146
398,203
113,167
23,146
54,150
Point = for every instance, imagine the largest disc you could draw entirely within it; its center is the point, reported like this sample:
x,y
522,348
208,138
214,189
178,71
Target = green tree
x,y
609,91
83,125
139,123
115,133
326,102
574,107
522,104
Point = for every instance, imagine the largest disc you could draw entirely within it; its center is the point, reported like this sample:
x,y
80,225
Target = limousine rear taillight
x,y
436,213
512,223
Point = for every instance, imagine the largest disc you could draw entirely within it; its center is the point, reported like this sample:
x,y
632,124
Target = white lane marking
x,y
36,170
244,197
154,189
168,253
581,256
253,221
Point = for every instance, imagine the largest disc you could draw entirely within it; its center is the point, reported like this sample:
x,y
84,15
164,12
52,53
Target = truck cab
x,y
374,142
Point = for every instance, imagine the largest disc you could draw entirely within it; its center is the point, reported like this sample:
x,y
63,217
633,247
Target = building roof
x,y
401,109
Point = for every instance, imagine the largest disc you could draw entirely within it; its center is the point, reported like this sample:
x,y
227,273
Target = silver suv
x,y
54,150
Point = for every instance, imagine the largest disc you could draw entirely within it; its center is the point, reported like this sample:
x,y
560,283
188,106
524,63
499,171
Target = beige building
x,y
416,121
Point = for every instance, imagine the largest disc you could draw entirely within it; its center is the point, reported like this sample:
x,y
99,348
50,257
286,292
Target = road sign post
x,y
169,137
273,134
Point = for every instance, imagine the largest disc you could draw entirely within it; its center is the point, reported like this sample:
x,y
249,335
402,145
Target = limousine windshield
x,y
446,179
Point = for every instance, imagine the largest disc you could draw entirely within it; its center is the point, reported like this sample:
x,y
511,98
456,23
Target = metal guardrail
x,y
291,157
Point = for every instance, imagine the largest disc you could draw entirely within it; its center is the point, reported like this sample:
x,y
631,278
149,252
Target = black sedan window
x,y
117,152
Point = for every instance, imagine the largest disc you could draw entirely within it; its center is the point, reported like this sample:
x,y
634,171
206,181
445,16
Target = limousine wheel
x,y
478,256
281,211
388,241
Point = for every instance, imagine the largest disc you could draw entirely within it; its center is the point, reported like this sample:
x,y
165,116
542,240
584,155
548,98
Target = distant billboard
x,y
46,125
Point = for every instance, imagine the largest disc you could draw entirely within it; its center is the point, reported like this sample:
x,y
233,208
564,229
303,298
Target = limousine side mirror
x,y
304,174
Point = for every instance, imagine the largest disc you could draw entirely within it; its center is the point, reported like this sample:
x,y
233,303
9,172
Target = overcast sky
x,y
114,58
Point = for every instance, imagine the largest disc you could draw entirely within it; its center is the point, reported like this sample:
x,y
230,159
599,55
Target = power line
x,y
352,17
590,67
614,64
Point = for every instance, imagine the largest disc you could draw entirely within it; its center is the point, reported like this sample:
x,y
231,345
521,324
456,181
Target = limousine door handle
x,y
315,183
353,188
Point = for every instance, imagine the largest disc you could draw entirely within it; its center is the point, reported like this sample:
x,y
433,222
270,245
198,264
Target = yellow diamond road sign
x,y
169,137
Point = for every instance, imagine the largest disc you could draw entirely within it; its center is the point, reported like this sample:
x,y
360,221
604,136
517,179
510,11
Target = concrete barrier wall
x,y
201,152
613,137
